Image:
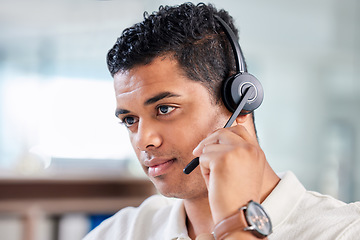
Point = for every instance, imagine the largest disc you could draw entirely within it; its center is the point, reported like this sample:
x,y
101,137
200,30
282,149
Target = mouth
x,y
157,167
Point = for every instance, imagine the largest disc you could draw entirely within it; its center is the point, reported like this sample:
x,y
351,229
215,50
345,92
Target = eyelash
x,y
124,119
158,109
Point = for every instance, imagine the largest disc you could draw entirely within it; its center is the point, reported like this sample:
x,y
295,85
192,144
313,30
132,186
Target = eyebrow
x,y
160,96
149,101
121,111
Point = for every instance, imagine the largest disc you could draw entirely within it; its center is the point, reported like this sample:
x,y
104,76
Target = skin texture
x,y
170,120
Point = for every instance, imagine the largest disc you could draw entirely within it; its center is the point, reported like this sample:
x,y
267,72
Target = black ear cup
x,y
234,88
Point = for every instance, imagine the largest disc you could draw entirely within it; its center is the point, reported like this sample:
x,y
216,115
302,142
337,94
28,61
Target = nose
x,y
148,136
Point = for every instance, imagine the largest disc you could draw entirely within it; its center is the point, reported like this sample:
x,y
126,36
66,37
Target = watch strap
x,y
230,224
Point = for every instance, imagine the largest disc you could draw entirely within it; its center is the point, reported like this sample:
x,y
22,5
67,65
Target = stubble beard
x,y
179,185
191,189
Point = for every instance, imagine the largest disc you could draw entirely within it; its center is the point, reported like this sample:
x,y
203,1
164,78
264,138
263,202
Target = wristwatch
x,y
251,217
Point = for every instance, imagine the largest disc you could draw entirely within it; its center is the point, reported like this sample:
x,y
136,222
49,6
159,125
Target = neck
x,y
199,218
269,183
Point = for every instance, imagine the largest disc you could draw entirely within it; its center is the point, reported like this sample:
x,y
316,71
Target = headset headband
x,y
239,57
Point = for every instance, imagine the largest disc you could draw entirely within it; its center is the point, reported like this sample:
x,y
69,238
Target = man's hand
x,y
232,164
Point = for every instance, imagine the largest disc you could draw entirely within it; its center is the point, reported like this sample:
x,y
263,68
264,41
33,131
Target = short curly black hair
x,y
189,33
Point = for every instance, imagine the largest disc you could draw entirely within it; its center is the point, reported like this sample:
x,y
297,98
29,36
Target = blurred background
x,y
59,135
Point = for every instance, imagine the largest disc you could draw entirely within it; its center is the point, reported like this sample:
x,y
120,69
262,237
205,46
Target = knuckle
x,y
229,158
252,150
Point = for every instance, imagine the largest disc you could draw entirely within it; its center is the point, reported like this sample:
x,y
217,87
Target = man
x,y
168,71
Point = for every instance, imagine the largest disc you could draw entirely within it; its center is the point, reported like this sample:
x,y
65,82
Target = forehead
x,y
162,74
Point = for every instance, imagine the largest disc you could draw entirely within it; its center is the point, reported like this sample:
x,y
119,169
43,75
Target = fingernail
x,y
196,150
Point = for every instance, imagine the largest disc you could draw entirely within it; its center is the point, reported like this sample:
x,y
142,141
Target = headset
x,y
241,93
233,88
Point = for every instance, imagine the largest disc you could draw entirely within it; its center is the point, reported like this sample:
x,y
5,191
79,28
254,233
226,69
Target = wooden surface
x,y
33,199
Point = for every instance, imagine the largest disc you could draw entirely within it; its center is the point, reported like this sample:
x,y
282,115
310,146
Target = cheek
x,y
132,141
188,135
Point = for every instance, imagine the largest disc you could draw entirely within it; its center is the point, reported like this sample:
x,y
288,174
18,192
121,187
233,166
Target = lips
x,y
158,166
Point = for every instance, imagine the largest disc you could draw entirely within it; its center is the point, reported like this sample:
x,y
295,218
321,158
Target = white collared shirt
x,y
156,218
299,214
295,214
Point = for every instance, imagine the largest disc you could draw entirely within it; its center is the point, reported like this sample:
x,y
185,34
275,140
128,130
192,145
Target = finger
x,y
217,156
243,133
223,136
222,164
209,148
209,161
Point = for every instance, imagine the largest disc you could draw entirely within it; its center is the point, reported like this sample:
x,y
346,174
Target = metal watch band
x,y
230,224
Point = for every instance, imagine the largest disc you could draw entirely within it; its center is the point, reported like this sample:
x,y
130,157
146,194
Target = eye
x,y
163,110
129,121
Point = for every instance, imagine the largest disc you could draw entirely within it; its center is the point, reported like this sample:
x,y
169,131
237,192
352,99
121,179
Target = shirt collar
x,y
284,198
176,227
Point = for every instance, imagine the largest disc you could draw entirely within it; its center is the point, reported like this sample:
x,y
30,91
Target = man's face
x,y
167,115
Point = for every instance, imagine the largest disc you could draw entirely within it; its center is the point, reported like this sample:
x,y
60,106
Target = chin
x,y
181,189
163,187
171,194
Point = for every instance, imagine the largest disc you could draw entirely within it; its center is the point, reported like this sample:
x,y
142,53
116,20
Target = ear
x,y
247,122
242,119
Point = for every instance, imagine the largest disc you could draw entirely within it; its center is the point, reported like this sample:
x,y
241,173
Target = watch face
x,y
258,219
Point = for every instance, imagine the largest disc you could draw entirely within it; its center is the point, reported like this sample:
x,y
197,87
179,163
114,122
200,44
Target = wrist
x,y
251,218
228,207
